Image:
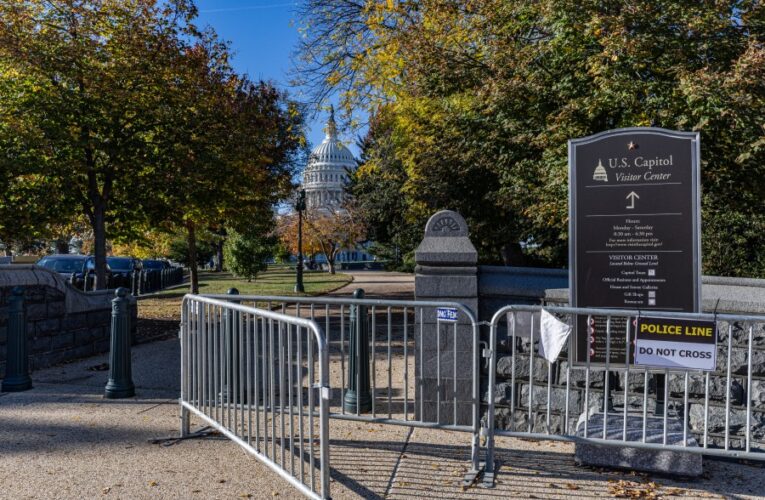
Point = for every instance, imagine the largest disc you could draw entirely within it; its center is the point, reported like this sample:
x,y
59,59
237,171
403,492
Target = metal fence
x,y
394,352
139,282
623,404
261,379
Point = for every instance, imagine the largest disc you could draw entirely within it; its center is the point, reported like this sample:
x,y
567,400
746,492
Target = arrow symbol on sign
x,y
632,196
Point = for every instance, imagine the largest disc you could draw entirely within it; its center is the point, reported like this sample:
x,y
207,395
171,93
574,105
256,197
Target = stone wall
x,y
502,286
445,272
62,323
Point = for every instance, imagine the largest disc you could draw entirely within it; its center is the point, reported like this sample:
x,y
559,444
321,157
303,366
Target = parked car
x,y
156,264
122,269
73,268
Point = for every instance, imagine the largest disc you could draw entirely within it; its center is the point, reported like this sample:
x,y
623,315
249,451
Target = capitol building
x,y
325,178
326,174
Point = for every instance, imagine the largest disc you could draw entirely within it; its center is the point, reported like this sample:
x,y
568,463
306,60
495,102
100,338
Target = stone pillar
x,y
446,271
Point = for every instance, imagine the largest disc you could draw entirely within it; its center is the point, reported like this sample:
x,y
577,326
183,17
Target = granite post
x,y
446,271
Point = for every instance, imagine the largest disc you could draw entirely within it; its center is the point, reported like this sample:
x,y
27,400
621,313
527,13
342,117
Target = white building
x,y
325,178
326,174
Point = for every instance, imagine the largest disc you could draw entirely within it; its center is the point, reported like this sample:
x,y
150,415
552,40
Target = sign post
x,y
634,219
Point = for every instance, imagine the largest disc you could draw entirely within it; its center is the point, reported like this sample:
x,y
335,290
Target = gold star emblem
x,y
631,146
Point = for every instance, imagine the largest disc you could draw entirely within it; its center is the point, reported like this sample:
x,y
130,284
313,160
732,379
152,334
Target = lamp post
x,y
300,207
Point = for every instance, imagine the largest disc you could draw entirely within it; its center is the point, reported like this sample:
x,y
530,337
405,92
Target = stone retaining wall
x,y
446,272
729,295
62,323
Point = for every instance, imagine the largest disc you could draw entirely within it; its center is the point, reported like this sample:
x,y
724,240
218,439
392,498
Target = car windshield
x,y
119,263
153,264
63,265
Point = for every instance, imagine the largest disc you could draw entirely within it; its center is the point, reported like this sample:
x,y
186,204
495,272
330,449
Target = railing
x,y
381,351
261,378
574,403
139,282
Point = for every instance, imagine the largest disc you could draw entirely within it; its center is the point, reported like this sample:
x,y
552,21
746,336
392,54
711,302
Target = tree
x,y
203,252
383,204
327,231
230,148
86,77
246,253
483,95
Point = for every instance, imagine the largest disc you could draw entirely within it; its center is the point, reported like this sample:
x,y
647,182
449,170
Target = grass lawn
x,y
158,315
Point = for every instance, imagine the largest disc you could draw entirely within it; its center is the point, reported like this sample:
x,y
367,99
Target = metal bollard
x,y
120,384
17,377
357,398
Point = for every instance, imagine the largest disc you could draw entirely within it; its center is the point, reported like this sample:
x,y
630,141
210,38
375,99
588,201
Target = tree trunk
x,y
99,243
512,255
193,271
219,257
62,246
331,262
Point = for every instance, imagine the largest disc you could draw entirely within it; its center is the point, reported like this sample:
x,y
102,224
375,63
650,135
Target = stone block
x,y
74,321
83,336
557,398
697,384
56,308
428,411
101,346
758,392
716,421
36,312
41,344
446,286
430,367
522,366
629,457
518,421
62,341
78,352
739,361
99,317
46,327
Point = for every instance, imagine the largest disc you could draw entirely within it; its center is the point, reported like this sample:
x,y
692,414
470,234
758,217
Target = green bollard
x,y
357,398
120,384
17,377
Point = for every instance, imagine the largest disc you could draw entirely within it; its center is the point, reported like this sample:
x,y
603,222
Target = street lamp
x,y
300,207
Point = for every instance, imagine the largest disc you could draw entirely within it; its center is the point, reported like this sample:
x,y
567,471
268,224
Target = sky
x,y
263,35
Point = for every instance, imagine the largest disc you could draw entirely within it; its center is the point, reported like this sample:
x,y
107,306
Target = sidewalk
x,y
379,284
63,440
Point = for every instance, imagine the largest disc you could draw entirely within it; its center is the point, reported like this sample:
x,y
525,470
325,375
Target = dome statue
x,y
326,174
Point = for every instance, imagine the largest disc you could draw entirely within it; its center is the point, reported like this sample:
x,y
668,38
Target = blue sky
x,y
263,36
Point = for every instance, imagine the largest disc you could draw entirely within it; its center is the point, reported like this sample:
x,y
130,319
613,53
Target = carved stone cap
x,y
446,223
446,242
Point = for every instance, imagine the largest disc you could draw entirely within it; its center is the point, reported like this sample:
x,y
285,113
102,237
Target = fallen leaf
x,y
152,483
572,486
106,490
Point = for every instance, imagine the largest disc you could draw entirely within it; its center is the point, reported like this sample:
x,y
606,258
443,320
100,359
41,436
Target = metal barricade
x,y
396,354
261,379
558,401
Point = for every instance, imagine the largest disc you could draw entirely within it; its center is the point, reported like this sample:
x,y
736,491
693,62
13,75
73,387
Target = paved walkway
x,y
63,440
380,284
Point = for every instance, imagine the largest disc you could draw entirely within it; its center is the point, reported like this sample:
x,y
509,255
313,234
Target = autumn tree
x,y
482,97
326,230
230,147
83,79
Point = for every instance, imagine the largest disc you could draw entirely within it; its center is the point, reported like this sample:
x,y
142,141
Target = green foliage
x,y
482,96
246,253
179,251
385,208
